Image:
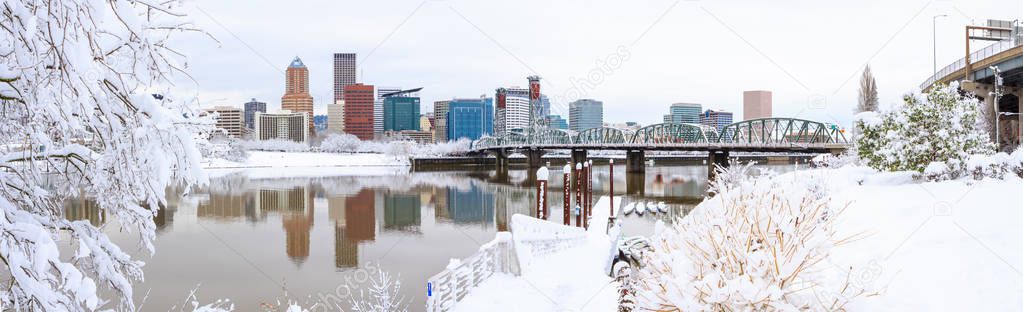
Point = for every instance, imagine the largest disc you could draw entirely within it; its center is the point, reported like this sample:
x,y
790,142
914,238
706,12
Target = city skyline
x,y
733,53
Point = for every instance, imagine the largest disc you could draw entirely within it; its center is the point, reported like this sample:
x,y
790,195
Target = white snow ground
x,y
262,164
929,246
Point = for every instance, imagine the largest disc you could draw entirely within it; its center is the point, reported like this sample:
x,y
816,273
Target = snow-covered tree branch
x,y
87,110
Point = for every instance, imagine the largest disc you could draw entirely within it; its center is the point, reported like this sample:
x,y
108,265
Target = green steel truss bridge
x,y
755,135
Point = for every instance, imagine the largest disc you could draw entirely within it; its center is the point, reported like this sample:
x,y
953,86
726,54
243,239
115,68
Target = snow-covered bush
x,y
224,148
347,143
759,245
340,143
942,127
997,166
382,295
276,146
88,111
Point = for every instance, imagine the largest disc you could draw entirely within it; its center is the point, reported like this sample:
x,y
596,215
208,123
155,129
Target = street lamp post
x,y
934,41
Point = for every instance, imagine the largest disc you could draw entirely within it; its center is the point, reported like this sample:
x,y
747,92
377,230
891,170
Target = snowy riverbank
x,y
923,246
260,164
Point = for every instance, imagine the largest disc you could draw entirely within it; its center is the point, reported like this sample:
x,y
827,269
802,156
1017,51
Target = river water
x,y
262,242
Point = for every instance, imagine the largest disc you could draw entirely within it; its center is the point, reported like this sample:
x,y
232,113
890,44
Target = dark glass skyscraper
x,y
470,118
251,108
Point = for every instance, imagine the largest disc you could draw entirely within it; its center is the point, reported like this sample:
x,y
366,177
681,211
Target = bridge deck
x,y
698,147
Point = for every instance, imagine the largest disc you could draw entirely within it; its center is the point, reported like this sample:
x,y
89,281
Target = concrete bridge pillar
x,y
578,156
501,162
533,159
635,183
635,161
718,158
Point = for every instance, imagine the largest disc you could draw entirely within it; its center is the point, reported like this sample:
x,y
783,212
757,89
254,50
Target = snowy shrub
x,y
347,143
977,167
88,112
759,245
340,143
276,145
943,127
382,295
224,148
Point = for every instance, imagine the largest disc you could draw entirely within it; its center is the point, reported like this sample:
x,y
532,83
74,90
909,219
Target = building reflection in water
x,y
402,212
84,209
354,222
472,206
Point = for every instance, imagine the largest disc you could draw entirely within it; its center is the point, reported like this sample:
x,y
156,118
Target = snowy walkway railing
x,y
460,277
509,253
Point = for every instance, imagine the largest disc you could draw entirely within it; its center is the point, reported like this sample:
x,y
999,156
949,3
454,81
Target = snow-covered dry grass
x,y
916,246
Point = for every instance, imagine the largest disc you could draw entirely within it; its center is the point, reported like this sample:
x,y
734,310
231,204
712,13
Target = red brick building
x,y
359,110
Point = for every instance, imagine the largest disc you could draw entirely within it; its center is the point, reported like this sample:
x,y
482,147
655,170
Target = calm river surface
x,y
264,241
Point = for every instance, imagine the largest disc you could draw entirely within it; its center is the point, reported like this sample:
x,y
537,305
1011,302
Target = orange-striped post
x,y
542,176
567,189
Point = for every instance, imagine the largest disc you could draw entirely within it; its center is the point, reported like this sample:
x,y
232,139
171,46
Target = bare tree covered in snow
x,y
87,111
868,92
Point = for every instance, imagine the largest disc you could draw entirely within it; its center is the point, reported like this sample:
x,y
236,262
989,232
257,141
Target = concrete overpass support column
x,y
714,159
501,162
635,162
1018,127
578,156
533,159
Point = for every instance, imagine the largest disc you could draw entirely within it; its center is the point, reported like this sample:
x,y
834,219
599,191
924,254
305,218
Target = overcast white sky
x,y
809,53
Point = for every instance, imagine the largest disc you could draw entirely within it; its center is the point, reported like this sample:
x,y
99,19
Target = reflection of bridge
x,y
755,135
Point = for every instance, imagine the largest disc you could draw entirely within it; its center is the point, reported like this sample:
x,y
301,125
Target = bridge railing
x,y
976,56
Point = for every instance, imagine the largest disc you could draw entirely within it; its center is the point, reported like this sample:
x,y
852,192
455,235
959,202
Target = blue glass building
x,y
470,118
556,122
401,113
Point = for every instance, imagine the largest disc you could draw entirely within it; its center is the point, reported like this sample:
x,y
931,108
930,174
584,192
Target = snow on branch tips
x,y
761,244
942,127
87,115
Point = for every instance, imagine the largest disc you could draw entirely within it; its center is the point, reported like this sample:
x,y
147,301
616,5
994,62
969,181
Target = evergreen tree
x,y
943,127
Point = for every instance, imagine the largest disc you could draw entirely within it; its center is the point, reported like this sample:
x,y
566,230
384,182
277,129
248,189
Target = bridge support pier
x,y
716,158
635,183
635,162
533,159
501,163
578,156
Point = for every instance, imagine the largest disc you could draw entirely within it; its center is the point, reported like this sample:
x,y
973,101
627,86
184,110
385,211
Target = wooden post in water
x,y
567,186
589,189
611,187
578,194
542,176
585,194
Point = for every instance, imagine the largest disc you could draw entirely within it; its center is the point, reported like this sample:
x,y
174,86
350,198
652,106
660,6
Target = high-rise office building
x,y
296,92
336,116
344,73
514,113
556,122
440,121
251,108
401,110
378,109
228,119
282,126
470,118
717,119
359,111
756,104
585,114
686,113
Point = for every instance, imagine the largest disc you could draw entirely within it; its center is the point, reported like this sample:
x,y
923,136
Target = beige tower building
x,y
296,92
336,117
756,104
227,118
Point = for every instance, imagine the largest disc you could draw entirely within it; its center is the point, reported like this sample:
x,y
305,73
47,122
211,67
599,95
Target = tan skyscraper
x,y
756,104
296,92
